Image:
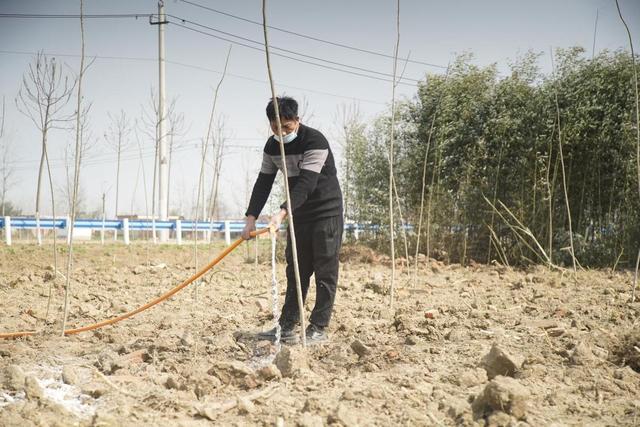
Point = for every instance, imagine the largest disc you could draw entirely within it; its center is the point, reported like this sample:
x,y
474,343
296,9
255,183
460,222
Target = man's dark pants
x,y
318,245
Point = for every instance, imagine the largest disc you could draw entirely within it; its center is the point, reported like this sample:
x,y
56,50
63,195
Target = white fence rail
x,y
126,227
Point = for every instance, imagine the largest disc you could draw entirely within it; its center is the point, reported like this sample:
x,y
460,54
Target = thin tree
x,y
550,190
292,233
562,168
391,141
6,170
220,141
424,177
205,146
150,119
637,100
42,97
176,129
116,136
76,178
347,116
69,158
144,177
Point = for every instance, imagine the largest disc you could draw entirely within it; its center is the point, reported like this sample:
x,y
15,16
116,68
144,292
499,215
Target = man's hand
x,y
277,219
249,226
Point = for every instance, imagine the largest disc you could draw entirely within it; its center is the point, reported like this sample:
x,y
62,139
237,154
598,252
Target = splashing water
x,y
274,292
270,357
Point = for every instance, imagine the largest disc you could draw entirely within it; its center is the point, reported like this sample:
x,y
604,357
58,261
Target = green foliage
x,y
497,137
10,210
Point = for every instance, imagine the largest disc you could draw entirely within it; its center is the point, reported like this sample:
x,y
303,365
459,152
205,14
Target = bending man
x,y
316,201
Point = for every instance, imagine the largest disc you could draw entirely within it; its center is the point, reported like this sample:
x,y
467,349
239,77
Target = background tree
x,y
494,142
177,129
69,155
117,137
6,170
80,120
44,93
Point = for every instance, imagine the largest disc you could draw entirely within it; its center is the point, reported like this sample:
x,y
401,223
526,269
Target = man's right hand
x,y
249,226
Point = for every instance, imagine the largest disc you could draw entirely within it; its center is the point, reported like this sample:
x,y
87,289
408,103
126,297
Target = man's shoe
x,y
316,334
287,335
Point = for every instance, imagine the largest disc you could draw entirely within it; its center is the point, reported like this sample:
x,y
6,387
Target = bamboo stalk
x,y
424,178
76,178
564,176
292,233
635,83
391,178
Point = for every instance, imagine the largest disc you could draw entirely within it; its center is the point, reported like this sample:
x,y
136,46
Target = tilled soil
x,y
475,345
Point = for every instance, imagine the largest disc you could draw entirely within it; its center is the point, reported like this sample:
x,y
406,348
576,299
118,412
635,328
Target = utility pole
x,y
163,180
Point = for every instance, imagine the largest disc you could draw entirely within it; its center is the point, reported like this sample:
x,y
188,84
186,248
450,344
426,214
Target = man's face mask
x,y
289,130
287,138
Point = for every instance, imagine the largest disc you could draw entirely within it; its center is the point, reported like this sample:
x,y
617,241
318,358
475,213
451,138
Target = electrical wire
x,y
125,155
64,16
184,20
287,50
289,57
197,67
317,39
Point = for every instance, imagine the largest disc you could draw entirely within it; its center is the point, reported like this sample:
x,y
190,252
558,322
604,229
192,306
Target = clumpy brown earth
x,y
478,345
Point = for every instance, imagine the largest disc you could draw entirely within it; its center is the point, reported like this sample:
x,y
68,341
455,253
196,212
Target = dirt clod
x,y
246,406
69,375
290,361
310,420
500,362
501,394
269,372
32,388
581,354
13,378
359,348
230,372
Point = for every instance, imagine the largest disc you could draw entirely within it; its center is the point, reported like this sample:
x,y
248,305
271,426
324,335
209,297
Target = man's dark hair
x,y
288,108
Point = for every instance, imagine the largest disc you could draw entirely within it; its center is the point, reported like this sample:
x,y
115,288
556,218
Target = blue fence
x,y
126,225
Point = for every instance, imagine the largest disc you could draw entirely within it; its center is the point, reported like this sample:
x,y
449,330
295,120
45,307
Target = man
x,y
316,201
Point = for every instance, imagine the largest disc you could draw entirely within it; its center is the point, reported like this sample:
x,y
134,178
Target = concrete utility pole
x,y
162,140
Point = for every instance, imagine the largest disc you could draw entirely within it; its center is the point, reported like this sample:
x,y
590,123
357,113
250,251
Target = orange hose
x,y
150,304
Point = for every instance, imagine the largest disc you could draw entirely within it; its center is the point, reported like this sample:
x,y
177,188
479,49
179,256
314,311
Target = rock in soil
x,y
499,362
359,348
291,361
230,372
32,389
269,372
501,394
246,406
13,378
310,420
581,354
69,375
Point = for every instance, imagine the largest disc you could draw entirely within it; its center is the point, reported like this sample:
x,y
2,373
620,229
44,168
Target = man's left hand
x,y
276,220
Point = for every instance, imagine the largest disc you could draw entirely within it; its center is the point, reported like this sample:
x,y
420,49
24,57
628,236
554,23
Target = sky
x,y
124,73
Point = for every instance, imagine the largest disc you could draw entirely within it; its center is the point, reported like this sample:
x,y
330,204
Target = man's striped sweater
x,y
313,181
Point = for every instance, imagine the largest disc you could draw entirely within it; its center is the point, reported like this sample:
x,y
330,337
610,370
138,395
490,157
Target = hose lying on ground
x,y
150,304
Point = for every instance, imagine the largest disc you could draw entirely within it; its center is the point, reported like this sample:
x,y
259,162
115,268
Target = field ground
x,y
567,346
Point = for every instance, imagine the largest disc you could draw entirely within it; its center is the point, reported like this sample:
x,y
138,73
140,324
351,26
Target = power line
x,y
184,20
290,57
197,67
63,16
132,154
306,36
288,50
